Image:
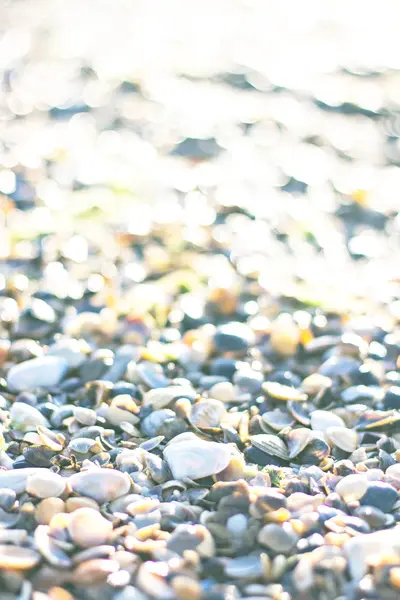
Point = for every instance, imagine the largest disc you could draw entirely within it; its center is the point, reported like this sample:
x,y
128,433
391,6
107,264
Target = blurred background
x,y
267,131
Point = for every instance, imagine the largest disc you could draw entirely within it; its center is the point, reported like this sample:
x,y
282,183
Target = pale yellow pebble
x,y
48,508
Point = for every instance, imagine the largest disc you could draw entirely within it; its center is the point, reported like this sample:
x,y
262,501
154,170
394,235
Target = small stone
x,y
186,588
72,504
352,487
381,495
362,550
122,409
43,372
284,335
391,398
15,557
47,508
73,351
85,416
102,485
195,458
15,479
87,527
321,420
7,498
233,337
244,567
223,391
26,417
237,524
45,484
163,397
280,539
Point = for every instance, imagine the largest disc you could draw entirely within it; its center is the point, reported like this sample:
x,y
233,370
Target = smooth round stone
x,y
284,335
15,479
42,372
360,393
244,567
352,487
15,557
381,495
45,484
391,398
26,417
163,397
338,365
233,337
87,527
223,391
322,419
74,352
102,485
151,424
196,458
225,367
248,380
47,508
280,539
237,524
72,504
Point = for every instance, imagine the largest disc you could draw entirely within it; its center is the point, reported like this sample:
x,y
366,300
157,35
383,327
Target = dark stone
x,y
381,495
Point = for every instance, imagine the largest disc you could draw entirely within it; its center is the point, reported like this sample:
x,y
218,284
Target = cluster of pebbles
x,y
199,312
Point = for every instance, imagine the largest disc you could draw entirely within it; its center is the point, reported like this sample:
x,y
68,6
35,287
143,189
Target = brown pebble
x,y
87,527
186,588
47,508
394,577
74,503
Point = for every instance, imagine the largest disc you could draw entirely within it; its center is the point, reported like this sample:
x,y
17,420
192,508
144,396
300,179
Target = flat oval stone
x,y
244,567
88,527
45,484
195,458
352,487
15,479
42,372
102,485
26,417
15,557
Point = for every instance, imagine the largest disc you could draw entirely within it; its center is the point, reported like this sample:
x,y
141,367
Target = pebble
x,y
102,485
47,508
163,397
361,550
87,527
280,539
391,399
223,391
284,335
26,417
233,337
244,567
352,487
45,484
237,524
73,351
195,458
17,558
72,504
381,495
15,479
43,372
